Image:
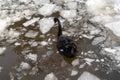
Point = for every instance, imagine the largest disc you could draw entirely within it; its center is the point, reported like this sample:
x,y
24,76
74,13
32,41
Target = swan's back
x,y
66,47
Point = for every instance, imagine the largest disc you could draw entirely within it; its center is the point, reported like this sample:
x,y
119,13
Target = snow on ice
x,y
47,9
46,24
43,43
41,2
74,72
50,76
88,76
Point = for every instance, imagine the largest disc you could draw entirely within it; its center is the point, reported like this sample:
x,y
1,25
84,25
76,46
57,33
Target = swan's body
x,y
64,44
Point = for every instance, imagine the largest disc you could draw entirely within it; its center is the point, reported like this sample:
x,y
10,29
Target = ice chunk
x,y
28,23
2,49
114,27
17,44
96,6
25,1
68,14
88,76
3,25
97,40
31,34
41,2
50,76
47,9
43,43
13,34
74,72
46,24
89,61
75,62
32,57
72,5
24,66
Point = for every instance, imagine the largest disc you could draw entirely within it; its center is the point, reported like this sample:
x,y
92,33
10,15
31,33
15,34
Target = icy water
x,y
49,60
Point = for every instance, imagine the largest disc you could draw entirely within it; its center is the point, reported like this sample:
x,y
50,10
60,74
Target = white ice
x,y
72,5
2,49
114,27
50,76
3,25
75,62
47,9
24,66
89,61
74,72
30,22
68,14
87,76
43,43
41,2
32,57
46,24
31,34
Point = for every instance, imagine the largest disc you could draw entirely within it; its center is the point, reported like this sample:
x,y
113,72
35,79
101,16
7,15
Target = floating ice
x,y
28,23
88,76
114,27
89,61
68,14
72,5
75,62
2,49
3,25
24,66
114,52
47,9
46,24
96,6
31,34
41,2
74,72
25,1
13,34
43,43
32,57
97,40
50,76
17,44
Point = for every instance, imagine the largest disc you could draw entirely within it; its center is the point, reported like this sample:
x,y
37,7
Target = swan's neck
x,y
59,29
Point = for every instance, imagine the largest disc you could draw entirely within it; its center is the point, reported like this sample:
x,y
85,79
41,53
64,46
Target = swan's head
x,y
56,20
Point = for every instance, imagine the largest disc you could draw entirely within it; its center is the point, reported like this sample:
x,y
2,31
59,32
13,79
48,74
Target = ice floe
x,y
68,14
47,9
75,62
43,43
87,76
24,66
72,5
31,34
2,49
30,22
46,24
50,76
114,27
74,72
41,2
32,57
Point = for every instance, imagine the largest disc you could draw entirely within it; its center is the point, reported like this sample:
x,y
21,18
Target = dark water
x,y
48,63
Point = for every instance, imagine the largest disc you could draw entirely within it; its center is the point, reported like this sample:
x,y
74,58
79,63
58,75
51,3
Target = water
x,y
51,62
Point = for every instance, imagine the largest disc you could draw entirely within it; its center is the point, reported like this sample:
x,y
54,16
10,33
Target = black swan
x,y
64,44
